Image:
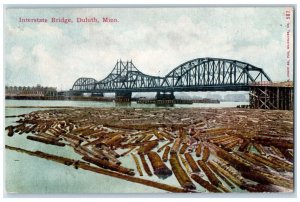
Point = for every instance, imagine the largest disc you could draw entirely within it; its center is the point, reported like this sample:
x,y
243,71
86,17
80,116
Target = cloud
x,y
57,55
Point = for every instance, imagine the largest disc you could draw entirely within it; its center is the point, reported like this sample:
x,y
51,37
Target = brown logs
x,y
145,165
191,162
108,165
165,156
180,174
159,167
46,141
138,167
206,154
198,150
204,183
176,145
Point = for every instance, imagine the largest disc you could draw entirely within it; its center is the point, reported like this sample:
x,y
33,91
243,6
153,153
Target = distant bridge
x,y
201,74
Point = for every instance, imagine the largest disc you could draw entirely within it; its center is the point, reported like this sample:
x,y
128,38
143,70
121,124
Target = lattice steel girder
x,y
200,73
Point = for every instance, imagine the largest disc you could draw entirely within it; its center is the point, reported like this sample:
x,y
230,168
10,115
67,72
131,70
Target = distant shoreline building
x,y
29,92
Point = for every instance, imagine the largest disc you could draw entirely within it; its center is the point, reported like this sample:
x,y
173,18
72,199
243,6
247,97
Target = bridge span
x,y
201,74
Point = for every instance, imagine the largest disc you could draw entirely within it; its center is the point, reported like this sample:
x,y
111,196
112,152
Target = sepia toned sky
x,y
156,39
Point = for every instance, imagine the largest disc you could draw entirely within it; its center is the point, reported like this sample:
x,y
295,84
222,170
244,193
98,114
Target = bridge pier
x,y
165,96
272,96
123,96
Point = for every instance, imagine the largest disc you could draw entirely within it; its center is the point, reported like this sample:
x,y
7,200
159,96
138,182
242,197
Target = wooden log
x,y
198,150
108,165
139,139
191,162
261,188
145,165
210,175
113,141
158,135
268,178
244,145
160,169
249,159
165,156
259,148
10,131
264,161
162,147
215,170
180,174
46,141
183,148
128,151
204,183
206,154
176,145
147,138
277,152
287,166
233,160
138,167
166,135
184,162
228,175
146,148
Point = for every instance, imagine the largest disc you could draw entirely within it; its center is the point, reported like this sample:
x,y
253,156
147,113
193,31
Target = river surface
x,y
29,174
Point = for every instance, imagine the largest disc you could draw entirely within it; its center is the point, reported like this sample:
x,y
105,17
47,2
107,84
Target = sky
x,y
156,40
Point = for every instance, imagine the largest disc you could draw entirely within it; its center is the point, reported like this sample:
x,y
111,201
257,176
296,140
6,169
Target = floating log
x,y
165,156
210,175
215,170
261,188
176,145
183,148
145,165
108,165
277,152
228,175
260,149
139,139
191,162
147,138
287,166
113,141
184,162
162,147
160,169
166,135
180,174
46,141
264,161
158,135
10,131
198,150
138,167
146,148
128,151
268,178
244,145
206,154
204,183
234,161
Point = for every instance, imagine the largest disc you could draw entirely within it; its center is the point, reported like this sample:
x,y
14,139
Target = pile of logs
x,y
217,150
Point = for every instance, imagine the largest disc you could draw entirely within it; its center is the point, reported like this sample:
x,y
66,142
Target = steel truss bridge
x,y
201,74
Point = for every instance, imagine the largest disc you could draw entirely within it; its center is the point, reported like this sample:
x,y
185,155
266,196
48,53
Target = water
x,y
29,174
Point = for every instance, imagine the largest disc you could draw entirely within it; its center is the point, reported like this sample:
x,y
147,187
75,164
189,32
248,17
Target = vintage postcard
x,y
149,99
